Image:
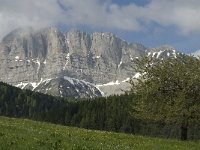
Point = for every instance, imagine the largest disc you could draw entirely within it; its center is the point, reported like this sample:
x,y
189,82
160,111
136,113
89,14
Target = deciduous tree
x,y
168,91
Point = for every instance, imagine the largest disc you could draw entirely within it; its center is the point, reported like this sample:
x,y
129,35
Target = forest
x,y
110,114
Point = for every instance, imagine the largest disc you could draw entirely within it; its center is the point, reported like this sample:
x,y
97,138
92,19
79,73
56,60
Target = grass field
x,y
19,134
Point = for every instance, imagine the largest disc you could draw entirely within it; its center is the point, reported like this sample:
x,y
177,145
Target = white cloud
x,y
183,14
23,13
100,14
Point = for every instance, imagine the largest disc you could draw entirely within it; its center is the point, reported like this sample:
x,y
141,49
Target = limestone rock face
x,y
29,58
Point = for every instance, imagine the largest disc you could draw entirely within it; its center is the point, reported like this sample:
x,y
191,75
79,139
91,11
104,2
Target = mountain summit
x,y
74,64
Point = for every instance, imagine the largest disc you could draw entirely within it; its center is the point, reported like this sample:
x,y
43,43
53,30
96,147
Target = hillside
x,y
26,134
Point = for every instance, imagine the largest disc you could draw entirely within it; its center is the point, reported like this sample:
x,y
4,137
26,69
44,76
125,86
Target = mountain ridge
x,y
30,56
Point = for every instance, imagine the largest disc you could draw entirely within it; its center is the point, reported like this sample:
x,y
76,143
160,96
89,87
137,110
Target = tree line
x,y
110,114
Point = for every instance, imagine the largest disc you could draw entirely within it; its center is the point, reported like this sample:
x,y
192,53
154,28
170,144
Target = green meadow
x,y
19,134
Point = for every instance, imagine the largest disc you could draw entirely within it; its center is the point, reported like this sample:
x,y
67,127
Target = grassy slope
x,y
25,134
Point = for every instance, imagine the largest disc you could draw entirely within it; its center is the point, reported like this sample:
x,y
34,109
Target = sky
x,y
150,22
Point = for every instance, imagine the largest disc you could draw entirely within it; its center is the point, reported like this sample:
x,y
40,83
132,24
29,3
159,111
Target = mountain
x,y
64,87
196,53
74,64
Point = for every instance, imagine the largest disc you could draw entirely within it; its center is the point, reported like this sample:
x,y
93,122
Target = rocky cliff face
x,y
68,64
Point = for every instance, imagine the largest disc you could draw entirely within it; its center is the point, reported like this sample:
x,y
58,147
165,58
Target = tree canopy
x,y
168,91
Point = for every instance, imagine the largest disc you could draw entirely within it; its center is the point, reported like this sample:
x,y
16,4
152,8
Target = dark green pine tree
x,y
168,91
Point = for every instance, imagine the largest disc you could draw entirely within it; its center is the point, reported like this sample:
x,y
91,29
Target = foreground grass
x,y
25,134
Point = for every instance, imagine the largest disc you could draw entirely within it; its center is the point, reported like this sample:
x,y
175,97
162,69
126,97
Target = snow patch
x,y
137,75
158,54
126,80
174,53
120,64
91,86
61,93
16,58
46,81
131,57
21,85
35,84
69,79
154,53
149,53
108,84
48,89
96,57
38,62
45,62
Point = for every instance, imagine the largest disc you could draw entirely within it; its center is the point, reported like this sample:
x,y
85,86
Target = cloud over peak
x,y
181,14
